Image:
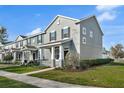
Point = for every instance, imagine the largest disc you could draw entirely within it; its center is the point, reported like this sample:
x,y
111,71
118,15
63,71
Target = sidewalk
x,y
43,70
44,83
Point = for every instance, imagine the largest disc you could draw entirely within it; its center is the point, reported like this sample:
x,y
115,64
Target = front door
x,y
34,56
65,52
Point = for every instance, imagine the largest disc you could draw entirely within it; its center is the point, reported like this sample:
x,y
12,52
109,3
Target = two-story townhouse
x,y
63,34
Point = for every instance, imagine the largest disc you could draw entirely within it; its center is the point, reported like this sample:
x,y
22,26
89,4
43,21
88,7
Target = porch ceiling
x,y
29,48
48,45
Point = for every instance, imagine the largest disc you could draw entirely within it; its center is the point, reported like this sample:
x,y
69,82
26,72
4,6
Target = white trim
x,y
68,17
84,30
66,27
92,16
52,31
65,38
84,40
60,16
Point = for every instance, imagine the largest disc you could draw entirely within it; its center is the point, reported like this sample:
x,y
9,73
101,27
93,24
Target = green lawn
x,y
9,83
23,69
111,75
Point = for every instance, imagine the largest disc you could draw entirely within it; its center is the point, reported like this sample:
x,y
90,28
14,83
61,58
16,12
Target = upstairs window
x,y
84,40
39,39
52,35
21,43
83,30
91,34
65,32
33,40
29,41
17,45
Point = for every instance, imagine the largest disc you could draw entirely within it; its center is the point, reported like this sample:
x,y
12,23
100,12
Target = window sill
x,y
52,40
65,38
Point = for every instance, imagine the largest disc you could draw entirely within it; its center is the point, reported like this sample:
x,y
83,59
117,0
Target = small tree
x,y
72,60
117,51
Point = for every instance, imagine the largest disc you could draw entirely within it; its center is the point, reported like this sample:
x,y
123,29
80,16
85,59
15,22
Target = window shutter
x,y
50,36
68,31
41,38
62,33
55,35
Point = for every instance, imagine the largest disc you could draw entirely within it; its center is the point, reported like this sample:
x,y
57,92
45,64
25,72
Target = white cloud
x,y
107,13
35,31
37,15
106,16
106,7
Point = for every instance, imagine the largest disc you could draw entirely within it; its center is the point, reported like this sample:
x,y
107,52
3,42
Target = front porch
x,y
53,54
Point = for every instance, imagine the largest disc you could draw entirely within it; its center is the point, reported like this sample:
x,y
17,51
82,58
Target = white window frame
x,y
39,38
84,40
33,40
52,32
57,53
66,27
91,34
84,30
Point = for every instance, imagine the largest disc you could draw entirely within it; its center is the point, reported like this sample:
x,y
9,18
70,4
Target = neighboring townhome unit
x,y
62,35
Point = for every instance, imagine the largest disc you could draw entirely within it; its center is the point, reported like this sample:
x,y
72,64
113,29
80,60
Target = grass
x,y
111,75
23,69
9,83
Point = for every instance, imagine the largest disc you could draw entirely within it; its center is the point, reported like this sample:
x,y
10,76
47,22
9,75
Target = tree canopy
x,y
3,35
117,51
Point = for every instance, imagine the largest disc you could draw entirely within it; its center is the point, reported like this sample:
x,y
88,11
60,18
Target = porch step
x,y
43,70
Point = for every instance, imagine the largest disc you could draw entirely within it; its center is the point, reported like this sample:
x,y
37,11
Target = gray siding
x,y
74,31
93,47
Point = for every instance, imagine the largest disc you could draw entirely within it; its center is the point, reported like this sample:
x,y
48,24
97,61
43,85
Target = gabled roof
x,y
62,17
92,16
21,37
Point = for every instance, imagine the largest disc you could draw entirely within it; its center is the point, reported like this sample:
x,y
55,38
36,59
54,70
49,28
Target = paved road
x,y
44,83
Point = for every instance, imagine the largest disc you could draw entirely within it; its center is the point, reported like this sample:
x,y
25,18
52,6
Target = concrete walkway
x,y
44,83
43,70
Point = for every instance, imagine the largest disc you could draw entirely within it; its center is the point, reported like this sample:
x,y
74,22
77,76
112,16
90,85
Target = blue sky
x,y
25,20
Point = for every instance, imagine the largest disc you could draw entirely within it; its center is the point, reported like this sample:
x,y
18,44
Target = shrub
x,y
72,61
33,63
8,57
84,64
16,62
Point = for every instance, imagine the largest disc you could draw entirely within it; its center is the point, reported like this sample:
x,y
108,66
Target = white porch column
x,y
61,55
31,55
52,57
40,54
14,56
23,57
